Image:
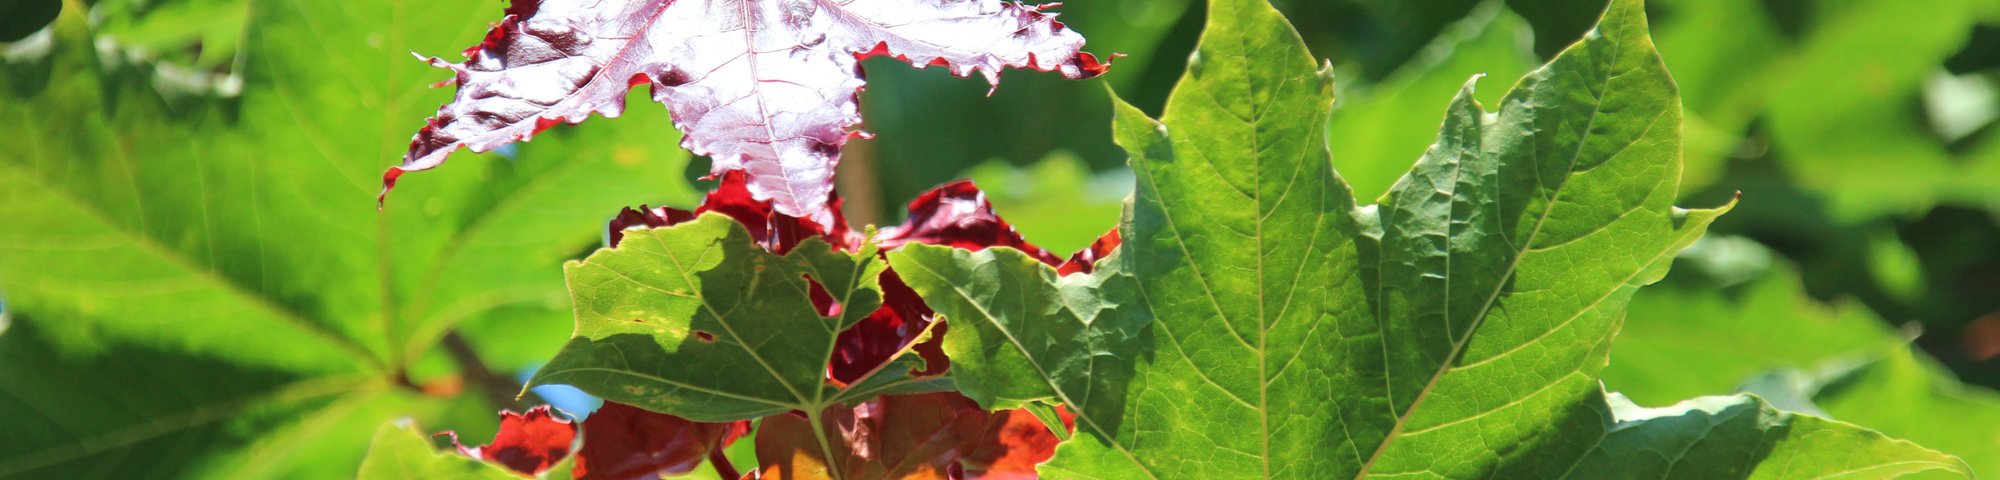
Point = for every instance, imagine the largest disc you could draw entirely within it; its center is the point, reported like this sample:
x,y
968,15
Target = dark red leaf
x,y
622,442
876,339
765,87
527,443
958,215
773,230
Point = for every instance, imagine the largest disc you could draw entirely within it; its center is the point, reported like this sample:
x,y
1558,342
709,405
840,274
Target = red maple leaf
x,y
767,87
527,443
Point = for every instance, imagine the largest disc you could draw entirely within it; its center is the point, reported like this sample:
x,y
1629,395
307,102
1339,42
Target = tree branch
x,y
500,390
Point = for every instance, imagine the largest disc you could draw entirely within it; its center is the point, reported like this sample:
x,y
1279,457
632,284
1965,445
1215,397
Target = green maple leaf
x,y
199,284
1769,337
1259,323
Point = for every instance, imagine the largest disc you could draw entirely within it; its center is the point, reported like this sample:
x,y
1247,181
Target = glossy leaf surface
x,y
766,87
1455,330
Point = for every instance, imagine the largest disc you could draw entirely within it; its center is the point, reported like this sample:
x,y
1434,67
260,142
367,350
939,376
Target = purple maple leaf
x,y
767,87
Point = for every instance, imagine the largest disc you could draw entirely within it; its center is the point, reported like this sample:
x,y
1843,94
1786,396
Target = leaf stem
x,y
719,460
858,184
825,447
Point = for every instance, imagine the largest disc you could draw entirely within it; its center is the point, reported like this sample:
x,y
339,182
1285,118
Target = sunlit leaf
x,y
1377,130
529,443
226,243
1259,323
768,88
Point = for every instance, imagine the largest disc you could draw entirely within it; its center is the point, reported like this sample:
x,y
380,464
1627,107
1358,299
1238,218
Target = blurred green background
x,y
196,285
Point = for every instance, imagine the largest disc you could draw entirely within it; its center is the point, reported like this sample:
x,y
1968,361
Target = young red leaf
x,y
622,442
765,87
527,443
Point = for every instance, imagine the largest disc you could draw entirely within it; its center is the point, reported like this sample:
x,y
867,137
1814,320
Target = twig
x,y
500,390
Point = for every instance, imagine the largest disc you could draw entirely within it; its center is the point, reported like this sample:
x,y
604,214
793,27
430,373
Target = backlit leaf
x,y
1259,323
768,87
529,443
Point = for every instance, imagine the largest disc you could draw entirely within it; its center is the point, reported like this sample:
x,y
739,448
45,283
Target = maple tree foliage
x,y
1137,351
621,442
768,90
765,87
955,214
941,435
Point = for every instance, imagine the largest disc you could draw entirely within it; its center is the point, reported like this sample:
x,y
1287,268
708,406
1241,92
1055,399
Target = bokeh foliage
x,y
187,237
